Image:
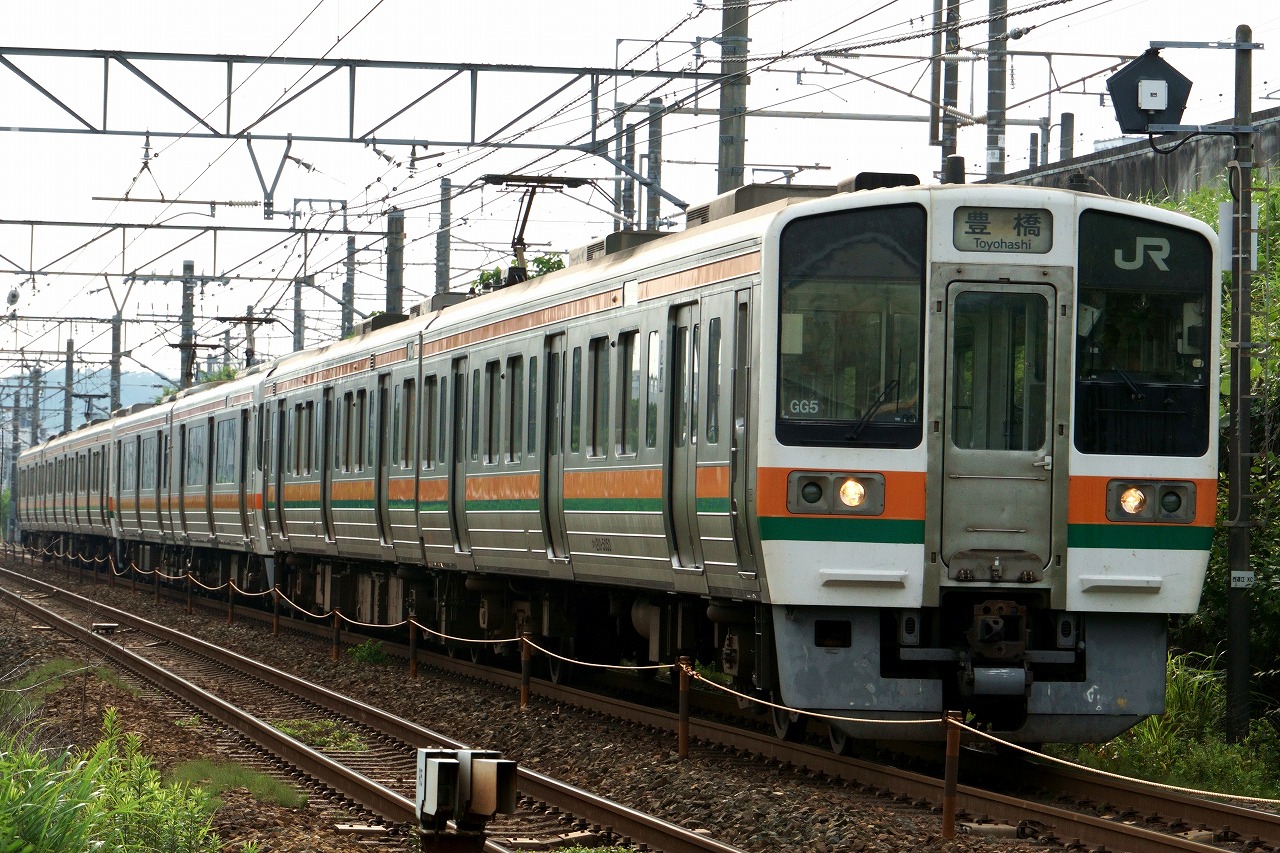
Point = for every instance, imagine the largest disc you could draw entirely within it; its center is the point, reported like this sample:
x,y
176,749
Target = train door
x,y
740,408
242,475
158,488
327,443
553,529
997,461
383,459
206,452
682,438
278,454
458,458
179,475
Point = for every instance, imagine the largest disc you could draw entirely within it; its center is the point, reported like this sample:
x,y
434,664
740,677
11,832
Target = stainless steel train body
x,y
879,454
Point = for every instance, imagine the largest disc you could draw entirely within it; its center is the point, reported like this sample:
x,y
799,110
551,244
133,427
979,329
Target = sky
x,y
56,177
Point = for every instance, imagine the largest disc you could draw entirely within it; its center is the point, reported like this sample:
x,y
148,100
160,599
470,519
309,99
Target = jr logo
x,y
1156,247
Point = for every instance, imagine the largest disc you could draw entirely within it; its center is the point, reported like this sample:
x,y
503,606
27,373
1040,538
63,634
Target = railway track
x,y
380,778
1071,806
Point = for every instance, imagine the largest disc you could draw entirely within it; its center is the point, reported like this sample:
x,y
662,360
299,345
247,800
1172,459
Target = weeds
x,y
215,777
370,652
322,734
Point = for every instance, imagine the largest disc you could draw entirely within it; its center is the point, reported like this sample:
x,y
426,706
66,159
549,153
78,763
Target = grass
x,y
24,696
370,652
1186,746
322,734
215,777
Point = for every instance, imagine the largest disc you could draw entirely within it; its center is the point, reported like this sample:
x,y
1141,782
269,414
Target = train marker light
x,y
1171,502
811,492
1133,500
852,493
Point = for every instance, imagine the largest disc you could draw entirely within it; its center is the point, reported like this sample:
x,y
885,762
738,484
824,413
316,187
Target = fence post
x,y
526,665
231,601
683,664
950,774
413,649
275,610
188,573
156,577
337,633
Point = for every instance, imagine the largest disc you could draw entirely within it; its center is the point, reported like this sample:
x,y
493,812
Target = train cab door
x,y
680,497
553,527
998,434
242,475
458,457
740,409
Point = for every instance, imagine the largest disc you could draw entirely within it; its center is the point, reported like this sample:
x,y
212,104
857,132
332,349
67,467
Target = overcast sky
x,y
55,177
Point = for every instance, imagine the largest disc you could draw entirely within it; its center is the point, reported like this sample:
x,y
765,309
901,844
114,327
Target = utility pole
x,y
226,347
35,405
628,183
950,81
1066,137
442,236
733,94
299,321
1239,514
349,289
188,322
117,328
997,62
395,262
70,383
12,531
655,164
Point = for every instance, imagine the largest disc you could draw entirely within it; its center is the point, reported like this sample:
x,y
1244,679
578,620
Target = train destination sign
x,y
1002,229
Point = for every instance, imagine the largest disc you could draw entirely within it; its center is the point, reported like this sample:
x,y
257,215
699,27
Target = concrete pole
x,y
117,345
349,290
226,347
1239,508
655,164
188,347
1033,155
997,67
250,357
70,384
299,322
13,455
442,236
950,81
629,184
733,95
395,262
35,405
618,145
1067,136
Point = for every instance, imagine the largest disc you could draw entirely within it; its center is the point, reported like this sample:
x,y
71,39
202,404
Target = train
x,y
877,454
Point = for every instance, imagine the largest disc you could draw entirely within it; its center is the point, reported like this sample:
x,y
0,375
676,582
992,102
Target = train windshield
x,y
1142,338
849,328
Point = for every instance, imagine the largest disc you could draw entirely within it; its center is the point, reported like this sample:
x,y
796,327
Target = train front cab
x,y
997,459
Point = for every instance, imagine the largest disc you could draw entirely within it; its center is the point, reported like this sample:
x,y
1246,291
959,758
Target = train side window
x,y
713,380
492,411
372,428
361,426
397,441
262,419
343,460
148,475
575,407
298,439
628,428
309,431
428,437
532,446
443,432
515,407
598,436
224,463
475,414
653,388
195,473
410,403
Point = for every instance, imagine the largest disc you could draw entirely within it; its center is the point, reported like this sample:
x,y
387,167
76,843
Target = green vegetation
x,y
541,265
109,798
322,734
370,652
25,695
215,777
1186,746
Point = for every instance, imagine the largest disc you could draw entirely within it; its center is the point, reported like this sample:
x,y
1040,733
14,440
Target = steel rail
x,y
658,833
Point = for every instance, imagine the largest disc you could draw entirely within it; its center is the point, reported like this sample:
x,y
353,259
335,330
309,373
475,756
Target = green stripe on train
x,y
1140,537
856,529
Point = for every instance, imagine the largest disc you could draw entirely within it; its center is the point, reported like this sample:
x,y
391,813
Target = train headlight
x,y
852,494
1133,501
835,493
1152,501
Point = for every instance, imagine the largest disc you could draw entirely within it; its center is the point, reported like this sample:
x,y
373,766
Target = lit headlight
x,y
852,493
1133,500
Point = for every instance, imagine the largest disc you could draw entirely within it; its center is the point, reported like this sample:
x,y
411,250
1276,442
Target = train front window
x,y
1142,338
849,328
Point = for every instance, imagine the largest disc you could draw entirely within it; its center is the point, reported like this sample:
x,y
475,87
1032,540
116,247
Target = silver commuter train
x,y
879,454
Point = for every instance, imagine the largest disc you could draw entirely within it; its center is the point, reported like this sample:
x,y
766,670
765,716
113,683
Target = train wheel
x,y
479,653
558,670
841,742
789,725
